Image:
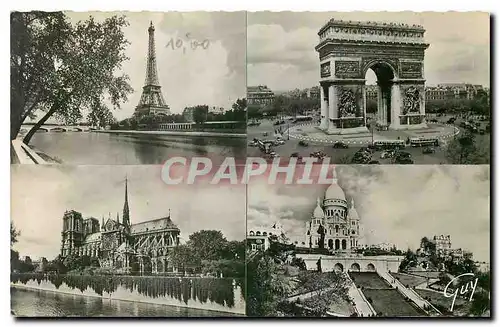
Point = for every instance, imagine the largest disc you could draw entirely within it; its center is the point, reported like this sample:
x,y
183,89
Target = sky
x,y
215,76
41,195
396,204
281,45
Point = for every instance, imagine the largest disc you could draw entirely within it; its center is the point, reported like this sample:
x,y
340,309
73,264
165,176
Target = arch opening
x,y
338,267
370,267
355,267
379,77
330,244
337,244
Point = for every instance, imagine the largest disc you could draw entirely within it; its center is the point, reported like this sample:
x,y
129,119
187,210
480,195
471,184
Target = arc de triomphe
x,y
395,52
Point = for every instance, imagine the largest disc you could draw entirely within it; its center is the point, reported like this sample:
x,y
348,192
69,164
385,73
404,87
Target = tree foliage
x,y
465,150
14,234
62,70
266,287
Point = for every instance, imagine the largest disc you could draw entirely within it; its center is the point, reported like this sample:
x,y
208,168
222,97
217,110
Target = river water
x,y
87,148
39,303
74,295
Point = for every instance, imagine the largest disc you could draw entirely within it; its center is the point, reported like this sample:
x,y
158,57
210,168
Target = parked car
x,y
303,143
403,161
279,142
318,154
428,150
387,154
252,143
340,145
374,162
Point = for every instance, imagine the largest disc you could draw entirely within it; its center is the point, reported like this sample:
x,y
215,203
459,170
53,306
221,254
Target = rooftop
x,y
153,225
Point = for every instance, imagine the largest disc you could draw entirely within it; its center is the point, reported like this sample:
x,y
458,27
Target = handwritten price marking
x,y
179,43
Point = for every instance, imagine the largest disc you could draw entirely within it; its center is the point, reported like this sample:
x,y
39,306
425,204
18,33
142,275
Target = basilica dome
x,y
318,212
335,192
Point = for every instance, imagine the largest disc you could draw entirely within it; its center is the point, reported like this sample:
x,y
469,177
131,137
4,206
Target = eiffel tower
x,y
152,101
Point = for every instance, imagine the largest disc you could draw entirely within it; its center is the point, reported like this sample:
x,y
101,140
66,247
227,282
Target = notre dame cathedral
x,y
125,247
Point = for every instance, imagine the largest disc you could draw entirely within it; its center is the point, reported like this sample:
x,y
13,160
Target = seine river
x,y
87,148
34,295
37,303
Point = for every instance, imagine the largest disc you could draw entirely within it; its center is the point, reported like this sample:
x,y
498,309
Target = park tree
x,y
14,234
266,287
200,114
325,287
59,69
182,256
465,150
207,244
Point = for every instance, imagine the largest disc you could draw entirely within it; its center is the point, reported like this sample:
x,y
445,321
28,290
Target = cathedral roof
x,y
94,237
334,191
153,225
318,212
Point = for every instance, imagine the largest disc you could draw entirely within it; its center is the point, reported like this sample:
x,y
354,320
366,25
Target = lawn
x,y
443,303
390,303
338,305
430,274
369,280
409,280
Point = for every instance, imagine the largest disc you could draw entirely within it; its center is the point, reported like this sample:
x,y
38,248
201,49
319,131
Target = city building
x,y
449,91
259,95
121,245
216,110
443,244
152,101
259,237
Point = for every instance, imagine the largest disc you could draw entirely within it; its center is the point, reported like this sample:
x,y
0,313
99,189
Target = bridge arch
x,y
370,267
338,267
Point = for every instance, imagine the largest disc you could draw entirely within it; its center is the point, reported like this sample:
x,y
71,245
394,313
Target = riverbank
x,y
173,133
124,298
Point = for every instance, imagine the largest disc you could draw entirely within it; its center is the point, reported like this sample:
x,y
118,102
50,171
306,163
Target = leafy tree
x,y
200,114
183,256
234,250
325,287
207,244
410,260
14,234
267,288
240,105
480,304
60,69
464,150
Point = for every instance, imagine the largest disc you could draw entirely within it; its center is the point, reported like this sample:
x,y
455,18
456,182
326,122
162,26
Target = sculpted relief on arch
x,y
348,106
411,100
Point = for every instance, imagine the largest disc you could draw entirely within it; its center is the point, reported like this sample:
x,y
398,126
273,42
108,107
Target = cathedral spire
x,y
117,217
126,211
